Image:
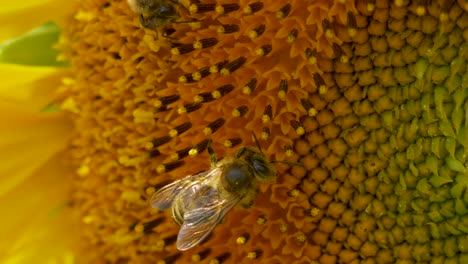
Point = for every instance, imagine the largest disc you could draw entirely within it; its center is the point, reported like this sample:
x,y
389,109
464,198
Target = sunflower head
x,y
368,96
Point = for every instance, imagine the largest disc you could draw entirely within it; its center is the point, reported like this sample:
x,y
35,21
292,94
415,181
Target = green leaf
x,y
34,48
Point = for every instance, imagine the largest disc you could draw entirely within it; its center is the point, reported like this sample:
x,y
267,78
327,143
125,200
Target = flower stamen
x,y
227,8
253,8
233,66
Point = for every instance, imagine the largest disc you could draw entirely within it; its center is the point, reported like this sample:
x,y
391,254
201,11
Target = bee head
x,y
159,16
263,169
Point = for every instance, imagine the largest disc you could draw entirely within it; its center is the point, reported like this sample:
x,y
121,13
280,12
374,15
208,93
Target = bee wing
x,y
199,222
163,198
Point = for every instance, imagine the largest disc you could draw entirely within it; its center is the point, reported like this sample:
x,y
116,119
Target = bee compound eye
x,y
166,11
261,168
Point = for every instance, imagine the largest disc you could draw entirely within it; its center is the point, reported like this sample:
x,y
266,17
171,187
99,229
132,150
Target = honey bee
x,y
199,202
154,14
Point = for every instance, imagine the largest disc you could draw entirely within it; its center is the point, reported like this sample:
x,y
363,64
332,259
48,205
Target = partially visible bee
x,y
199,202
154,14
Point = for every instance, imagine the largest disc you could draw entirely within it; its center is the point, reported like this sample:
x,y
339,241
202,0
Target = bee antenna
x,y
288,162
256,142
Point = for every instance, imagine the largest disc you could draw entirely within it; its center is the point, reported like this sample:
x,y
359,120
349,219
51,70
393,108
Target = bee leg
x,y
177,2
248,200
247,205
243,150
240,152
213,158
167,32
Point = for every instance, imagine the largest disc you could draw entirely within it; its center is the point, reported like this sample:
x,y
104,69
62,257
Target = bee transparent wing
x,y
163,198
199,222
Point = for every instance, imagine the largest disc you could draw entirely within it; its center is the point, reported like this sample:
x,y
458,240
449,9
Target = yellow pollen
x,y
219,9
175,51
266,118
314,211
301,237
235,112
139,228
157,103
197,99
246,90
259,52
173,133
370,7
196,258
83,170
252,255
161,169
160,244
329,33
399,3
312,60
85,16
241,240
280,15
228,143
283,227
182,110
124,160
300,131
323,89
344,59
294,193
443,17
130,196
247,10
282,95
88,219
252,34
207,131
214,261
420,10
264,135
312,112
142,116
225,72
216,94
175,156
193,152
261,220
197,76
289,152
197,45
193,9
352,32
214,69
149,145
150,190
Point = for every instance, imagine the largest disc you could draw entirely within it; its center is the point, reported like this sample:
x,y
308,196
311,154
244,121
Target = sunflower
x,y
370,96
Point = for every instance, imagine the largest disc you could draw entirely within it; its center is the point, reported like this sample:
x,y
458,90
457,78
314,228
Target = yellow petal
x,y
32,87
37,225
17,17
28,140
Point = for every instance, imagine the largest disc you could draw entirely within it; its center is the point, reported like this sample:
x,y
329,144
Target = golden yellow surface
x,y
371,96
